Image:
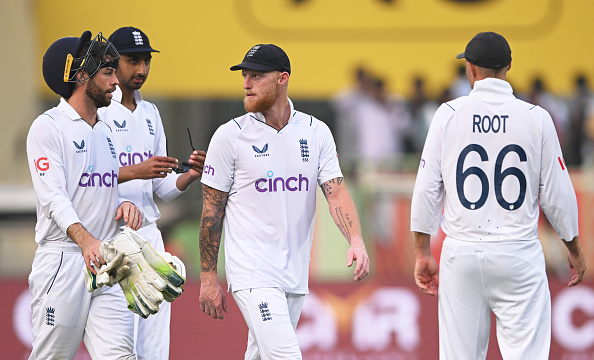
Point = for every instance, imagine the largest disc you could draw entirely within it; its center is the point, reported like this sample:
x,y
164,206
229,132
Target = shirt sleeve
x,y
46,155
165,188
428,194
328,161
556,194
219,166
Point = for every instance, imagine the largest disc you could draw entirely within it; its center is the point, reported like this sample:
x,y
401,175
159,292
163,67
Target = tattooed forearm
x,y
327,186
344,222
211,228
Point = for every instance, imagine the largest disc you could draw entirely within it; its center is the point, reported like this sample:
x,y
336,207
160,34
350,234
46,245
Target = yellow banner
x,y
326,39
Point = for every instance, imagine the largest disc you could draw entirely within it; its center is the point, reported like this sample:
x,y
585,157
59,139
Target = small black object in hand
x,y
185,166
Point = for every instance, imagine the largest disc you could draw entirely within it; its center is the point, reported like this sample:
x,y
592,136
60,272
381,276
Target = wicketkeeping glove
x,y
143,285
169,267
116,267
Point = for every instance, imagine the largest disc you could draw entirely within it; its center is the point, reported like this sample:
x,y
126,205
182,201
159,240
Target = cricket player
x,y
259,179
145,168
488,162
74,170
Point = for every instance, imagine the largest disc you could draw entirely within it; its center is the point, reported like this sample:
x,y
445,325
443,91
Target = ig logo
x,y
41,164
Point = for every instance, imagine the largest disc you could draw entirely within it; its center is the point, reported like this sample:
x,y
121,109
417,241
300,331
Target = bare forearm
x,y
422,243
574,246
79,234
184,180
126,173
211,228
343,210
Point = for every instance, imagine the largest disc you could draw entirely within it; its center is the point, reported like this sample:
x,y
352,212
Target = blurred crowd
x,y
382,131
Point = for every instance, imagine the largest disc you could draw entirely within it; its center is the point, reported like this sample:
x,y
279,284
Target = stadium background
x,y
385,317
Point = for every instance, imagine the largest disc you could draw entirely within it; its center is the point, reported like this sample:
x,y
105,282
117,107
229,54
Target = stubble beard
x,y
97,95
262,104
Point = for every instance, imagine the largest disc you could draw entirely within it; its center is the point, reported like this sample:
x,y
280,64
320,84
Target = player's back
x,y
491,164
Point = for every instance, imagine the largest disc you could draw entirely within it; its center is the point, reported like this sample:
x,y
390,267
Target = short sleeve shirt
x,y
271,177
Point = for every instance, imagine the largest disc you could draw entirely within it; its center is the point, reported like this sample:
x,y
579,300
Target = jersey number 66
x,y
499,176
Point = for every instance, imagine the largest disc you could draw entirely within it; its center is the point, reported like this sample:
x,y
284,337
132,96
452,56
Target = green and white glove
x,y
142,297
143,285
169,267
116,267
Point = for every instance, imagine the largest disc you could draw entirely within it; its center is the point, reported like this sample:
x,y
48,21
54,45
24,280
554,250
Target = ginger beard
x,y
261,102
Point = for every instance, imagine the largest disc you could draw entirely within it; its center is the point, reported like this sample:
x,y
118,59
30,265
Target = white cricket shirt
x,y
75,173
271,179
139,135
488,161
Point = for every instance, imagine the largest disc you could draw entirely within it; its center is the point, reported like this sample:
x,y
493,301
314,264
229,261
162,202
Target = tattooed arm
x,y
212,297
346,218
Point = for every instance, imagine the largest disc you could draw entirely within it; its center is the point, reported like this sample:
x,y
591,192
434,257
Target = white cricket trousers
x,y
64,312
151,335
507,278
271,316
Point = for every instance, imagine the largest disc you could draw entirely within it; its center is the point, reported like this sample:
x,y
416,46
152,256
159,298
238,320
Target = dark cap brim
x,y
252,66
460,56
136,50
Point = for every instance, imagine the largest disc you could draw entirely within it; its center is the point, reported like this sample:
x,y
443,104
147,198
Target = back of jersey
x,y
495,155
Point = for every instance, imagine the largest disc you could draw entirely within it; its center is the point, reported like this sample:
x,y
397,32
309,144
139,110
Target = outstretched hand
x,y
155,167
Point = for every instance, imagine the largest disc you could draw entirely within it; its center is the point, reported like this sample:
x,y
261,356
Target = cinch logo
x,y
208,170
41,164
131,158
120,127
99,180
280,184
80,147
260,153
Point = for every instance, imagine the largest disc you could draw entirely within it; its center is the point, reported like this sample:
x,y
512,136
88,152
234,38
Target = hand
x,y
577,263
92,254
212,298
576,260
131,215
197,161
426,274
358,253
155,167
89,246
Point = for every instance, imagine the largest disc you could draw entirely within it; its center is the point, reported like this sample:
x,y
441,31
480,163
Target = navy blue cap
x,y
265,57
488,50
130,39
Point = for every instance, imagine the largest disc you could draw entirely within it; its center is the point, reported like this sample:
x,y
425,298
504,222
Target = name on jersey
x,y
274,184
485,123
